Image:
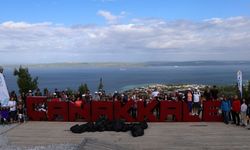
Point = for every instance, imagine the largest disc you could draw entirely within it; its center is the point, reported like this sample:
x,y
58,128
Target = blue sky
x,y
70,12
123,30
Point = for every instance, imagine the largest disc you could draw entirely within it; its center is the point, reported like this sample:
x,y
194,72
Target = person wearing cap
x,y
196,97
155,94
115,95
54,95
96,97
30,93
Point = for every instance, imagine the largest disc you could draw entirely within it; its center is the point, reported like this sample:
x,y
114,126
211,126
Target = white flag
x,y
4,94
239,81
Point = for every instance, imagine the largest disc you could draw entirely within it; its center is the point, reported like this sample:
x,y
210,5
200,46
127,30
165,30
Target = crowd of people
x,y
232,109
14,111
235,111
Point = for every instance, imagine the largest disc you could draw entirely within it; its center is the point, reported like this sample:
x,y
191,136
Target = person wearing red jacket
x,y
236,111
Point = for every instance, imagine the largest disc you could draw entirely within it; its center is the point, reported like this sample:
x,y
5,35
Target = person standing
x,y
243,113
236,111
196,96
207,93
12,112
155,94
20,113
225,108
190,101
214,92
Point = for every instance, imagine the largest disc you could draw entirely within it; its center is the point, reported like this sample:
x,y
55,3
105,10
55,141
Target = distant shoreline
x,y
130,64
121,77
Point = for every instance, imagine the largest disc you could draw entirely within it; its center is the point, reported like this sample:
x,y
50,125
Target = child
x,y
20,113
12,110
4,115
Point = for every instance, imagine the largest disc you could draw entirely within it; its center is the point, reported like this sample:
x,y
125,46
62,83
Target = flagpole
x,y
4,94
239,82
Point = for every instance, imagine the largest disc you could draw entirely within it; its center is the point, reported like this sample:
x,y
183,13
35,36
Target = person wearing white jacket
x,y
196,97
12,112
243,113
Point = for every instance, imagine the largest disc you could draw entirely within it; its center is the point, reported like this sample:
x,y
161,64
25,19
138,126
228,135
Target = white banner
x,y
4,94
239,81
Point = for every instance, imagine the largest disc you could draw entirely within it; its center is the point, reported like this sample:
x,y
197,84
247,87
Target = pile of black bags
x,y
103,124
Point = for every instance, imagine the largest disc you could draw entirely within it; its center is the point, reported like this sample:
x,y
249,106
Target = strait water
x,y
115,78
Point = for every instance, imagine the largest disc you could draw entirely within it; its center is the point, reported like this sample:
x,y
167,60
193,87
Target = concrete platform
x,y
200,135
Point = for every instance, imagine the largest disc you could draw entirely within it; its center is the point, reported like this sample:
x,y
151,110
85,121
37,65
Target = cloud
x,y
13,25
109,17
138,40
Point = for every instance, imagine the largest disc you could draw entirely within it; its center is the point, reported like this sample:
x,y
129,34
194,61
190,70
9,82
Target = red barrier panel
x,y
170,108
34,112
186,116
211,111
123,112
146,112
79,110
55,100
101,108
58,111
69,111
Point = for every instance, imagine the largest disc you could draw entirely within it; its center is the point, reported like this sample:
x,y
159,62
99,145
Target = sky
x,y
50,31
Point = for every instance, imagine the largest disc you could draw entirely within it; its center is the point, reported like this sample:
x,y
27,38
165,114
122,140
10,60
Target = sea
x,y
124,78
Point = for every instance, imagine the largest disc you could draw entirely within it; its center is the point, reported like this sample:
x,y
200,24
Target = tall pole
x,y
239,82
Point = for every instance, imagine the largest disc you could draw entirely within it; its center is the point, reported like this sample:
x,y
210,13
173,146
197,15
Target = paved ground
x,y
56,135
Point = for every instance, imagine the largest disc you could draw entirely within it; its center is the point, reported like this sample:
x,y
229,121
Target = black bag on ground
x,y
84,128
109,126
118,125
144,125
137,130
76,129
126,128
103,124
100,123
90,127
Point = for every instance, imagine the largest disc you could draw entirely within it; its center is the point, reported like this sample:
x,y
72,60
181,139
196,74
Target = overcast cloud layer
x,y
139,40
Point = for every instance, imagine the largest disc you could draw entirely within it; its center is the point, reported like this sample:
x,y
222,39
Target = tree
x,y
246,91
83,88
24,80
100,86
